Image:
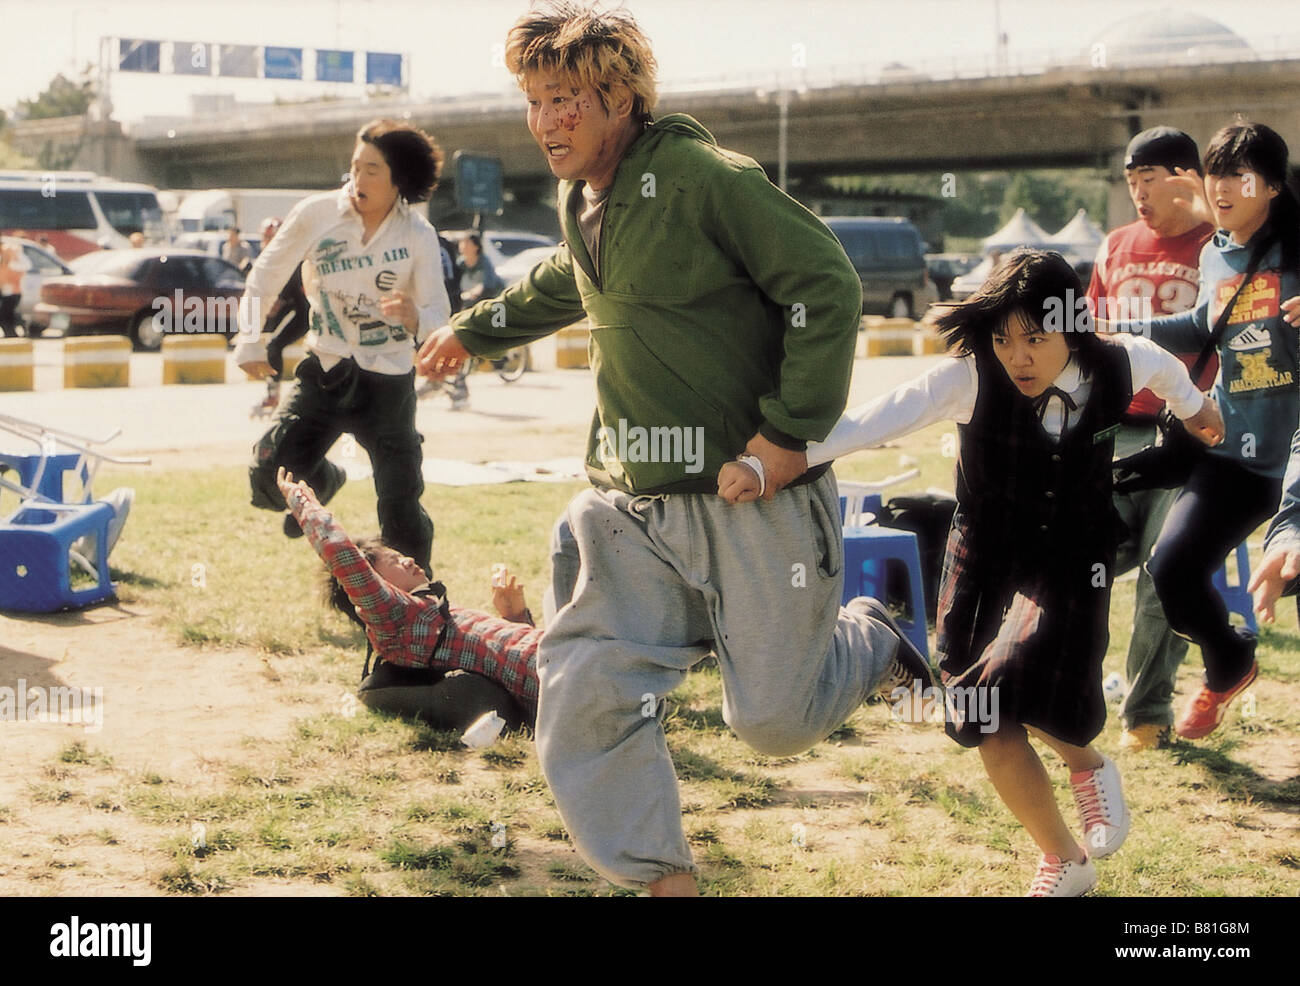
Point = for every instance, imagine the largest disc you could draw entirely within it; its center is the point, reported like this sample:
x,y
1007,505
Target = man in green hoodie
x,y
723,322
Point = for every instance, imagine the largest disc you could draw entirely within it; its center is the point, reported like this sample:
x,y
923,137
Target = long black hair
x,y
1255,147
1029,283
332,592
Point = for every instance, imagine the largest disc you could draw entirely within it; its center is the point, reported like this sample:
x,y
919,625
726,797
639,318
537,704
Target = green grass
x,y
370,805
76,753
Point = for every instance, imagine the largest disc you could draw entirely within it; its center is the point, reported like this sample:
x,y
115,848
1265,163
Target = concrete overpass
x,y
1063,117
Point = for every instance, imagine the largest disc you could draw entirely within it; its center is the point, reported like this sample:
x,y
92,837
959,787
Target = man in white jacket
x,y
373,279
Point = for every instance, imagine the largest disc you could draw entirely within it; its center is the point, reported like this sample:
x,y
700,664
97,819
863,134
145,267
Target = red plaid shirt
x,y
404,628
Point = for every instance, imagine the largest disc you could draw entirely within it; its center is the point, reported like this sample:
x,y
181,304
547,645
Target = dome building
x,y
1169,37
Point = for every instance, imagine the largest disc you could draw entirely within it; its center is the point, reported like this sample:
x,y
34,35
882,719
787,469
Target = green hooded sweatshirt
x,y
722,308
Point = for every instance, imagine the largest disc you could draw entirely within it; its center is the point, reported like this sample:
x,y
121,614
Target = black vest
x,y
1030,502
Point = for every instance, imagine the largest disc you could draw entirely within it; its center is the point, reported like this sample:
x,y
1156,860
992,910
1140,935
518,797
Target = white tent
x,y
1079,237
1020,230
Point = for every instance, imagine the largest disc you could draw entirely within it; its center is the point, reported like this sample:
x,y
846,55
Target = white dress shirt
x,y
949,391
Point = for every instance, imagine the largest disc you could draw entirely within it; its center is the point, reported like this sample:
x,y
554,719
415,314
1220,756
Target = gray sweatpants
x,y
653,585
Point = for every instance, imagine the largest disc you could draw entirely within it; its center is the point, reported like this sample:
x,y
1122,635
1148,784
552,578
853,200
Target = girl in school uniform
x,y
1025,593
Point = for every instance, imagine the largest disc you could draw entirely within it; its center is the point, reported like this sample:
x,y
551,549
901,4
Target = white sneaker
x,y
1063,878
1102,811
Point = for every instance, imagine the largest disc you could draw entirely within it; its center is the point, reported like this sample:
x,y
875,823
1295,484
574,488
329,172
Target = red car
x,y
146,294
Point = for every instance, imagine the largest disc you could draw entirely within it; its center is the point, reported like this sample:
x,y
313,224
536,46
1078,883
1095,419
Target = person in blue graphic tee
x,y
1247,269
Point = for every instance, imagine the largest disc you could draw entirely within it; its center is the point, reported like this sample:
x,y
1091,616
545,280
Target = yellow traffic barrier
x,y
97,361
928,343
194,359
571,347
16,365
890,337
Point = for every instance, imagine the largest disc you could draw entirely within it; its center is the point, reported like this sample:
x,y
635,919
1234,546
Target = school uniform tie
x,y
1043,400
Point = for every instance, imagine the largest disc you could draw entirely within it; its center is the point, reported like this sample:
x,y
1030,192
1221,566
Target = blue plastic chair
x,y
1235,596
43,474
870,551
36,556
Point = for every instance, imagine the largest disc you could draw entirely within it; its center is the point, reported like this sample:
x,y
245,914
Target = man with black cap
x,y
1153,261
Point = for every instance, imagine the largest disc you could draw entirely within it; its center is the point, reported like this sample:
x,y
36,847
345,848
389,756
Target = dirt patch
x,y
155,709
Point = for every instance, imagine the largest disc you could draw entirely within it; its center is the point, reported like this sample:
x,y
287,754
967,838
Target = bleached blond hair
x,y
603,50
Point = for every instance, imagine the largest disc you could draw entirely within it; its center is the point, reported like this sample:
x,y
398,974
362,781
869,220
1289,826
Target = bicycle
x,y
509,367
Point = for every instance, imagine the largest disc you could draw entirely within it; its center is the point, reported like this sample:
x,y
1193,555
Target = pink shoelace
x,y
1087,796
1049,874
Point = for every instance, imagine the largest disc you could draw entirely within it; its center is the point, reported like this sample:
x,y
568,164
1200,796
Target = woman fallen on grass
x,y
416,635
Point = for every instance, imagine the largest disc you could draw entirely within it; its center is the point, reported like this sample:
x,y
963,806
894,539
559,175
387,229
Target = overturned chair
x,y
871,550
50,537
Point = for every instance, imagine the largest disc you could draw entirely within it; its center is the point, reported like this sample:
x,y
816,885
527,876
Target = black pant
x,y
9,314
378,409
1219,507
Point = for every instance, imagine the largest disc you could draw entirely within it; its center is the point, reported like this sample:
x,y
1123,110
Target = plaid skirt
x,y
1022,643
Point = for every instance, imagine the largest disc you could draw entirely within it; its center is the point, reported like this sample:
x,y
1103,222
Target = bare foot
x,y
677,885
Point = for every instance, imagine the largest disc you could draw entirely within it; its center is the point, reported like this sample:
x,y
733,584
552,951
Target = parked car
x,y
965,285
211,243
500,245
144,294
512,244
515,268
42,263
945,268
889,257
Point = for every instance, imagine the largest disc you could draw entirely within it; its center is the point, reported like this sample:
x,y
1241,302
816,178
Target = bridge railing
x,y
1098,58
1101,57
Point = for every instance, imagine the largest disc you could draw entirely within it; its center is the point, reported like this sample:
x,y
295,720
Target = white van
x,y
77,212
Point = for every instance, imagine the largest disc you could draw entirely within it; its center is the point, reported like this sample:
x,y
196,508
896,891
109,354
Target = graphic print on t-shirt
x,y
361,309
1252,359
1168,285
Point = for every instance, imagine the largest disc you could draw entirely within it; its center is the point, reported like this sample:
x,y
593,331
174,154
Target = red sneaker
x,y
1205,711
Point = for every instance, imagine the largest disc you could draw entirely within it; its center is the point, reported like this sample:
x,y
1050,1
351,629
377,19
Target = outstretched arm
x,y
545,301
1168,378
946,392
391,616
1279,573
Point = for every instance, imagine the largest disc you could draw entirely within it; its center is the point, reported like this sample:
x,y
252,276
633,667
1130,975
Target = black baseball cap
x,y
1162,147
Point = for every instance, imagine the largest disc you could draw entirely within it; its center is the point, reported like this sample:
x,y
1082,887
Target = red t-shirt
x,y
1134,263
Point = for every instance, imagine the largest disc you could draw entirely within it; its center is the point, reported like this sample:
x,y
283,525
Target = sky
x,y
454,45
